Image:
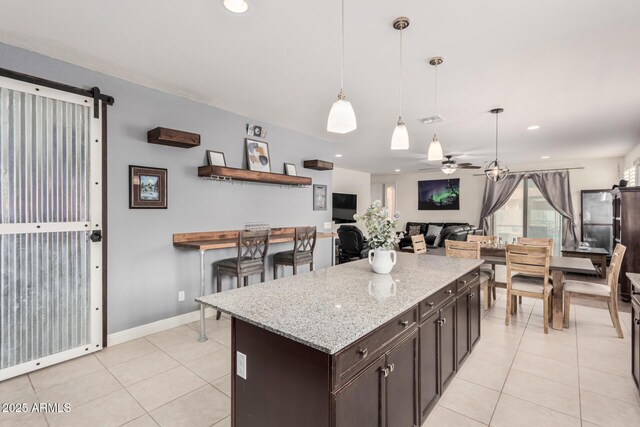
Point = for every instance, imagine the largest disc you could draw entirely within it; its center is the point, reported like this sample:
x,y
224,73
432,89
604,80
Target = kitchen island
x,y
343,346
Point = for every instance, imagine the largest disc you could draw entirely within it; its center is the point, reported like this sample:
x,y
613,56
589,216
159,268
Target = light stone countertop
x,y
330,308
635,279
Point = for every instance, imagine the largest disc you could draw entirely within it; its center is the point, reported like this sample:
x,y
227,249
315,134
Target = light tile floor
x,y
516,376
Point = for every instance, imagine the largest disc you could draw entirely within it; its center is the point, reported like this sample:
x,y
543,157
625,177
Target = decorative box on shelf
x,y
319,165
233,174
173,138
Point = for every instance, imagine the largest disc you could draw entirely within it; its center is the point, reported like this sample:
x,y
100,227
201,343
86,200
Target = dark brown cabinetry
x,y
391,377
386,393
626,231
635,336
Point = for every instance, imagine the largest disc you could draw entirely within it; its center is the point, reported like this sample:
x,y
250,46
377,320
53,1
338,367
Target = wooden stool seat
x,y
252,256
304,244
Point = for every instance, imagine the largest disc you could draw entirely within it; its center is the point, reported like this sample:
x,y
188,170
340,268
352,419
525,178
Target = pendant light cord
x,y
497,138
342,42
401,74
435,100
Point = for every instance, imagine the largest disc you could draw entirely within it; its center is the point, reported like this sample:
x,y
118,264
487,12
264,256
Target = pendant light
x,y
435,149
496,170
342,118
400,137
236,6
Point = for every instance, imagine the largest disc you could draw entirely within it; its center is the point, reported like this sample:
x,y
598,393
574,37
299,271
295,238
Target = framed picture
x,y
258,156
319,197
439,195
216,158
257,131
147,188
290,169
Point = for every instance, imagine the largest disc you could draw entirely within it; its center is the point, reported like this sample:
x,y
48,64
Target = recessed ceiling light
x,y
545,157
236,6
397,170
534,127
338,155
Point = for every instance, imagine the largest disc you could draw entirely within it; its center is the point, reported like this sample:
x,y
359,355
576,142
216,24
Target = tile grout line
x,y
511,365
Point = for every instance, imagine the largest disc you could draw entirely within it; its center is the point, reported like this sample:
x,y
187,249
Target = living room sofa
x,y
450,231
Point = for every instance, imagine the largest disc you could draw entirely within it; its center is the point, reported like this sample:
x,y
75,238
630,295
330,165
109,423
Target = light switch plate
x,y
241,365
181,296
327,226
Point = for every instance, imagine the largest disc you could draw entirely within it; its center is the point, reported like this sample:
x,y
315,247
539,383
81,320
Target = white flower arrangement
x,y
381,229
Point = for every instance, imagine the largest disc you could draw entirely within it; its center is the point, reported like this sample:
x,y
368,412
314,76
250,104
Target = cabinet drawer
x,y
351,360
467,280
432,302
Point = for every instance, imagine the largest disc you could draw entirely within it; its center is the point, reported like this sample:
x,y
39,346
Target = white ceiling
x,y
570,66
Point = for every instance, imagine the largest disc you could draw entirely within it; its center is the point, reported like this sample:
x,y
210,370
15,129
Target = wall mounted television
x,y
345,206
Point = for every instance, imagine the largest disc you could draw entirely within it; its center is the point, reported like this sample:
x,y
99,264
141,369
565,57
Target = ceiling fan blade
x,y
429,169
469,167
465,164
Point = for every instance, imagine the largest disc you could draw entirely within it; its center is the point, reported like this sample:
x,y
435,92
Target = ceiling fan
x,y
449,166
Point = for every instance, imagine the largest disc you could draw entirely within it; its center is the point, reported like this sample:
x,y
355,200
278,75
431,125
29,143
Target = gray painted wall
x,y
145,270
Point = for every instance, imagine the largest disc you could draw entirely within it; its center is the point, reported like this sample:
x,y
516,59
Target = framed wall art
x,y
319,197
147,188
439,195
216,158
258,156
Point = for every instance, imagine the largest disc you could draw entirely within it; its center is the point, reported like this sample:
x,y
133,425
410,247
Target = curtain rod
x,y
538,170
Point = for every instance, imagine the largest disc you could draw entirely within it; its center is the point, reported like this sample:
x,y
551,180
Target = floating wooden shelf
x,y
232,174
173,138
319,165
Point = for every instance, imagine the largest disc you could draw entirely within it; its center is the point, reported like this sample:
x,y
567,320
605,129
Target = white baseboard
x,y
158,326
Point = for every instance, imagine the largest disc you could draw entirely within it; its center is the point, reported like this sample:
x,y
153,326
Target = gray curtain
x,y
554,186
496,194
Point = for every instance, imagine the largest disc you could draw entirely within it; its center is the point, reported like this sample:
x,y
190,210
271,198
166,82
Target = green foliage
x,y
381,229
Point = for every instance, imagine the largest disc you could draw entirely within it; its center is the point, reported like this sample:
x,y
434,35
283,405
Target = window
x,y
528,214
630,175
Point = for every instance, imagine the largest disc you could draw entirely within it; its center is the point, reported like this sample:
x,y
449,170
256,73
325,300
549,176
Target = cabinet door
x,y
402,384
447,340
429,358
474,315
361,402
635,342
462,327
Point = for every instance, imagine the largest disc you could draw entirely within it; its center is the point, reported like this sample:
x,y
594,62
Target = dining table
x,y
558,266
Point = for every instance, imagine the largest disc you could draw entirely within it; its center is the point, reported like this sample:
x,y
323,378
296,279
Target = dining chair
x,y
418,243
469,250
536,241
607,292
304,244
487,268
528,276
251,259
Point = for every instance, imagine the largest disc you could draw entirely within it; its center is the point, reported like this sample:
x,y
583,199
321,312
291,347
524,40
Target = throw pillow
x,y
434,231
414,230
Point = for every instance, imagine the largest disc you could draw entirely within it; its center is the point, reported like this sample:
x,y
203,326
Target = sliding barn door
x,y
50,222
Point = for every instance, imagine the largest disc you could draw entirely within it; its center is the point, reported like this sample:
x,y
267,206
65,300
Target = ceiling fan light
x,y
496,171
435,150
342,118
449,169
400,137
236,6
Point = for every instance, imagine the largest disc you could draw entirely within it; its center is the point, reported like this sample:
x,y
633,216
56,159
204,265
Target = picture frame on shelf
x,y
257,153
290,169
319,197
147,187
216,158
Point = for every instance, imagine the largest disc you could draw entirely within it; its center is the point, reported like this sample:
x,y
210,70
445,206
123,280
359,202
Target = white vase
x,y
382,261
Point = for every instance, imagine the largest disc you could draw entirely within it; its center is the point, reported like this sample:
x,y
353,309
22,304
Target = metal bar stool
x,y
251,259
302,253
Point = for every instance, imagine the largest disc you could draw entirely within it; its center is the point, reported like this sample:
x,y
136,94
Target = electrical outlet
x,y
327,225
181,296
241,365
